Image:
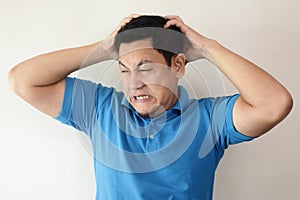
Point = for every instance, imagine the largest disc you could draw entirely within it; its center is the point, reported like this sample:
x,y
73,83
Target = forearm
x,y
257,87
51,67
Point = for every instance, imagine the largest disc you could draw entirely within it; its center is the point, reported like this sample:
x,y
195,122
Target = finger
x,y
128,19
134,15
171,17
173,22
123,23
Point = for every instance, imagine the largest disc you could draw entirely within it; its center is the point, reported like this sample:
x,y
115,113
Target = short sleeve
x,y
80,105
222,121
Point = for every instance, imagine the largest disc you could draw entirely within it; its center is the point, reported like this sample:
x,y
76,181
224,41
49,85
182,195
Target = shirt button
x,y
151,137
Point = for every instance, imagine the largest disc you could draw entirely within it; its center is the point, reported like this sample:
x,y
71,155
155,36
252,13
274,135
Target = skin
x,y
263,103
144,73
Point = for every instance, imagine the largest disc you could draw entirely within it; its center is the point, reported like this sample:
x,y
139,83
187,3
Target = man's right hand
x,y
108,44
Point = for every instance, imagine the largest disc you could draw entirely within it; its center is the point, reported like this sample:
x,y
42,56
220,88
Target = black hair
x,y
168,42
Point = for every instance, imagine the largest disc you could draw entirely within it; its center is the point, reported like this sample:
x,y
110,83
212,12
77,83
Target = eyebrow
x,y
143,61
123,64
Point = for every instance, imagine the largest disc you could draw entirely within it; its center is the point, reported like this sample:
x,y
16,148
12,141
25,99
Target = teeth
x,y
142,97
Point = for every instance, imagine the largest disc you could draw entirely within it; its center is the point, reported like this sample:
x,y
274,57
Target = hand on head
x,y
108,44
193,49
197,42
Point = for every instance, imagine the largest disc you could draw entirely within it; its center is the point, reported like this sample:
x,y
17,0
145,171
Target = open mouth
x,y
141,97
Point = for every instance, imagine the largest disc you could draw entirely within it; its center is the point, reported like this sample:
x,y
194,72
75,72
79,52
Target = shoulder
x,y
78,84
215,102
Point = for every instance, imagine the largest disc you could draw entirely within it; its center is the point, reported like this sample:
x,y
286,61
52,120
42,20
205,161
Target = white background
x,y
43,159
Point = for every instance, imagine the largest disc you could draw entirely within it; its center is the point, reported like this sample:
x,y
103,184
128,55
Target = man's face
x,y
150,86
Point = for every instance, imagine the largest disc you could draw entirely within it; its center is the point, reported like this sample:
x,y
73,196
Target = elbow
x,y
287,104
283,106
15,81
11,77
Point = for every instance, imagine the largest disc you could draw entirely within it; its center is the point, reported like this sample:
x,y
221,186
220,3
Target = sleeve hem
x,y
65,112
232,130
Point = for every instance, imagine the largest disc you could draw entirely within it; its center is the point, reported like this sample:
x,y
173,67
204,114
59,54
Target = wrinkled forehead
x,y
143,44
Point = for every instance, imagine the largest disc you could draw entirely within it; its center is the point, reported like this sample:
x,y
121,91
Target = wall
x,y
43,159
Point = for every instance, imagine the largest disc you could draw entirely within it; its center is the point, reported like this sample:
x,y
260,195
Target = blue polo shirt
x,y
171,156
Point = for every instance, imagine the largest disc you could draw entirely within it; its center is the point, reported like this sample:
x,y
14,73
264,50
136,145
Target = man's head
x,y
166,41
151,62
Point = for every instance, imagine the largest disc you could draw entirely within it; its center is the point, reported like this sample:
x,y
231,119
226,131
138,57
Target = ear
x,y
178,64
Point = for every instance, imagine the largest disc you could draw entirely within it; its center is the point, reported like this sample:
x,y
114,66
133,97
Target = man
x,y
152,141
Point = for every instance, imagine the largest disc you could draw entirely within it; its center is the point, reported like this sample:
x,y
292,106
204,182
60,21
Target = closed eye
x,y
145,70
145,66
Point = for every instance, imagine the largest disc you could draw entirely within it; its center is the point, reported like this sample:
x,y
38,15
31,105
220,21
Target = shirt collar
x,y
180,105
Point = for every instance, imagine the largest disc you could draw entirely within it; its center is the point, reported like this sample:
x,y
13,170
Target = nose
x,y
135,81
